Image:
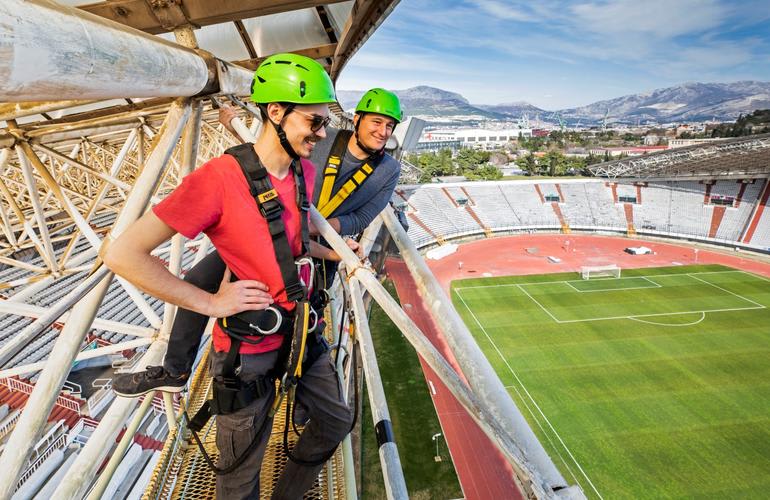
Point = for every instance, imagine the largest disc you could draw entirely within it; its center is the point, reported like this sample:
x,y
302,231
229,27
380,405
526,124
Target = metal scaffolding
x,y
737,158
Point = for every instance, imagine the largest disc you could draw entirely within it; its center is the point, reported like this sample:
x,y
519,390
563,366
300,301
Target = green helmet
x,y
291,78
382,102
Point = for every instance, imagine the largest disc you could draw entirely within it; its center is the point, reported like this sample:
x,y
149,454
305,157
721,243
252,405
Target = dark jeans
x,y
318,392
187,331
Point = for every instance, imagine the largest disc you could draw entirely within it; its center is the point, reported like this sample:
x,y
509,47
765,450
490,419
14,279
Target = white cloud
x,y
657,19
505,11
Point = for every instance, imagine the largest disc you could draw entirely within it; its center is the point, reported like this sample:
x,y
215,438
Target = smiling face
x,y
299,125
374,130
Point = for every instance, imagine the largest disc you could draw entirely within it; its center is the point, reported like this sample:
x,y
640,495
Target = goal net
x,y
591,272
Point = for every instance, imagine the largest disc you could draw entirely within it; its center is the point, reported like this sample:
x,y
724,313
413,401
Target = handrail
x,y
15,384
60,442
9,423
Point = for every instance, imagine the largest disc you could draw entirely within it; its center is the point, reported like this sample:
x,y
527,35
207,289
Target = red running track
x,y
481,469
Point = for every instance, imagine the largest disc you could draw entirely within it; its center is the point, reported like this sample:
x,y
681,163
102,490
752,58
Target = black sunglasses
x,y
316,121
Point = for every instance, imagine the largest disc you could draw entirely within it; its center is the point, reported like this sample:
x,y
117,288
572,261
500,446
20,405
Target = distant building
x,y
433,140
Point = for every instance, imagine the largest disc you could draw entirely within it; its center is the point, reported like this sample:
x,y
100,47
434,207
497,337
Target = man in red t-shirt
x,y
293,93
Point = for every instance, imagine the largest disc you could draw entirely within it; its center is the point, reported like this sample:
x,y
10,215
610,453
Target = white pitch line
x,y
503,285
728,291
660,314
538,303
702,317
518,392
524,388
569,283
653,282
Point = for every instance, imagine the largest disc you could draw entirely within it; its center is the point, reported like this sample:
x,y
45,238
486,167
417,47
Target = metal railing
x,y
9,423
59,442
21,386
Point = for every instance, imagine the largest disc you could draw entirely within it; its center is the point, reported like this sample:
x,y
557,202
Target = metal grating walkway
x,y
182,473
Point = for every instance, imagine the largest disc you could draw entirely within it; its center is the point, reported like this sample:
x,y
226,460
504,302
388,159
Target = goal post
x,y
592,272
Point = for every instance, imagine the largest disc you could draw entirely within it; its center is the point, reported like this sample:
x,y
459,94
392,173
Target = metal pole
x,y
47,388
473,363
168,406
78,55
476,409
117,455
35,414
32,191
89,354
86,465
22,338
393,474
189,155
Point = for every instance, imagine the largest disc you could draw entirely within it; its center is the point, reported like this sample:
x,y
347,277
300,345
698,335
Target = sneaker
x,y
154,378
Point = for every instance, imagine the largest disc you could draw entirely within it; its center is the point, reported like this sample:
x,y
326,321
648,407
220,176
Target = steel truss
x,y
739,158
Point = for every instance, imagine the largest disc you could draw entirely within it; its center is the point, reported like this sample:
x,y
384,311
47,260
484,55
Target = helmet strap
x,y
282,134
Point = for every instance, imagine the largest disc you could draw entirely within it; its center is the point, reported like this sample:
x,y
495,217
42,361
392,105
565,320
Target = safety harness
x,y
230,392
328,202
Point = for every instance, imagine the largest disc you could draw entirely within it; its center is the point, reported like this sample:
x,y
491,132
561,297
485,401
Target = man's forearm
x,y
150,275
334,223
321,252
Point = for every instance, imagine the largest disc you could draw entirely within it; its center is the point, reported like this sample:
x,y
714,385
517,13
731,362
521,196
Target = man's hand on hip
x,y
236,296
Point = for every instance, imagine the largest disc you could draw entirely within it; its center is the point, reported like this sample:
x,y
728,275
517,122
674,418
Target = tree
x,y
528,164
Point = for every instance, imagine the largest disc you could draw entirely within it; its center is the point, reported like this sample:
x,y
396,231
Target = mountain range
x,y
680,103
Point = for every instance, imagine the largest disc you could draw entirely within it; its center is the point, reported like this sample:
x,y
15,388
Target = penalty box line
x,y
631,317
650,315
569,284
504,285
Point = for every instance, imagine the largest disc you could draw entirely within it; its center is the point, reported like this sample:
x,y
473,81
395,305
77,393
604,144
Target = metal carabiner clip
x,y
314,316
301,263
275,328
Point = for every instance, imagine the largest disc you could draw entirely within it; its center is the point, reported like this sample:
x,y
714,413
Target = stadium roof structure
x,y
238,32
738,158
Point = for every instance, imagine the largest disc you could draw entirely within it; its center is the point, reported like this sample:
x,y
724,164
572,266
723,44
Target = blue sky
x,y
556,54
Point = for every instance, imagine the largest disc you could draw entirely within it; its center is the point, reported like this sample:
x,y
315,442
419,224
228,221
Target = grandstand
x,y
669,209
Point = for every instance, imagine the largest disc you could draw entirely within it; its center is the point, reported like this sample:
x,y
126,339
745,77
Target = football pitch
x,y
652,385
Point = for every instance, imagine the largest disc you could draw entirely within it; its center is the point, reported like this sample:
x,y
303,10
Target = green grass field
x,y
413,416
653,385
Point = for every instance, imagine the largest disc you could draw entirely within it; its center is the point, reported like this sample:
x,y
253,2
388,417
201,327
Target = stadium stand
x,y
679,209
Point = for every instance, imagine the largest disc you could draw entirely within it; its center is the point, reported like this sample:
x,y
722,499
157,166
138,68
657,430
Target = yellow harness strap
x,y
303,343
330,175
327,206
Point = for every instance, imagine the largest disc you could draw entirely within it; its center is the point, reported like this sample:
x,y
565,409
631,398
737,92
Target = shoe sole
x,y
174,389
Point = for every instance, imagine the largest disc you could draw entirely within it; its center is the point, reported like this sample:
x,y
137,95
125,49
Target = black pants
x,y
187,331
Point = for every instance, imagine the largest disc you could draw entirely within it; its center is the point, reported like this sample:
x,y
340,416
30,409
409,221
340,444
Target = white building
x,y
476,137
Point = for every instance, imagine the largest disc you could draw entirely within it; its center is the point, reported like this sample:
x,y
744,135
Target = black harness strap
x,y
271,209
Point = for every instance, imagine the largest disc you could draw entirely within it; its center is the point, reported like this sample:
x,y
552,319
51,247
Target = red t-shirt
x,y
215,199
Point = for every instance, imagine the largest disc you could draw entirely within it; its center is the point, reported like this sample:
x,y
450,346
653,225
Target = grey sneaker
x,y
154,378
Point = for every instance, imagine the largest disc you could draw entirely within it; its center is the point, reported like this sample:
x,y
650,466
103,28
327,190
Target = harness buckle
x,y
275,328
271,209
230,383
295,291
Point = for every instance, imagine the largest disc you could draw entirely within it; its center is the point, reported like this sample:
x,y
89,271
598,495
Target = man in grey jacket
x,y
355,180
